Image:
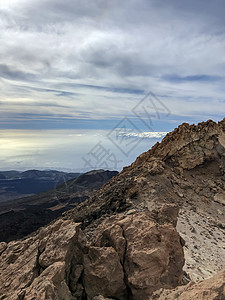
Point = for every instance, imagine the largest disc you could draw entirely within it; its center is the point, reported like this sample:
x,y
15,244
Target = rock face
x,y
151,255
210,289
50,284
103,273
39,265
127,257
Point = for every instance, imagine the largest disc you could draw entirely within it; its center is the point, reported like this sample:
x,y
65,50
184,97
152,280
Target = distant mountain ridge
x,y
33,173
15,184
19,217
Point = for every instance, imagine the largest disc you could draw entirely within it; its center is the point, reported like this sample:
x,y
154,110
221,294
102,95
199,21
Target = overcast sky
x,y
82,66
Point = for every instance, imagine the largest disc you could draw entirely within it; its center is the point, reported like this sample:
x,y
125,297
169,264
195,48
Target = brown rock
x,y
24,264
151,255
100,297
220,198
50,284
18,266
210,289
168,214
63,234
110,233
154,256
156,167
103,273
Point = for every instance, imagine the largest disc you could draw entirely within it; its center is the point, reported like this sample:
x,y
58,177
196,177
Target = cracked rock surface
x,y
128,256
151,255
40,263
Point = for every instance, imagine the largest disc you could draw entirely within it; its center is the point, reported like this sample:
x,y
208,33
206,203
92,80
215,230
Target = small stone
x,y
193,230
131,212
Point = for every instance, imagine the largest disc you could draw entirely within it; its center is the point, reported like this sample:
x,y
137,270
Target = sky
x,y
94,83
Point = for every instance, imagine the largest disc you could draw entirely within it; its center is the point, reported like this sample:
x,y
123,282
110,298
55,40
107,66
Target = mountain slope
x,y
131,239
187,168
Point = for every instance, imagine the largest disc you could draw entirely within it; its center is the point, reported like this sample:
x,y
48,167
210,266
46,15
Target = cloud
x,y
145,134
69,69
196,78
80,58
14,74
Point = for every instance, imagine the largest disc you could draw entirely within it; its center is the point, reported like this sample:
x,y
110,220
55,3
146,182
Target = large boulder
x,y
132,256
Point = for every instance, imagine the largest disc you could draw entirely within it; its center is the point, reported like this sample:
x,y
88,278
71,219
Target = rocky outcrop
x,y
103,273
211,289
150,254
39,265
51,284
166,164
126,257
189,145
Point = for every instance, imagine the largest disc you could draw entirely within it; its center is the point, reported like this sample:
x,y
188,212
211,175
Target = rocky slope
x,y
186,168
129,257
146,234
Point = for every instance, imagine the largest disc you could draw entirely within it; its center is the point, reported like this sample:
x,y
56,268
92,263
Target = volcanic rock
x,y
39,262
210,289
127,257
151,254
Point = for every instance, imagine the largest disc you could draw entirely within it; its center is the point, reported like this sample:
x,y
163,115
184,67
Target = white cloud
x,y
145,134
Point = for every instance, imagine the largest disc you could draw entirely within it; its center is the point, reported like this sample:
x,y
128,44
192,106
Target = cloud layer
x,y
74,59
